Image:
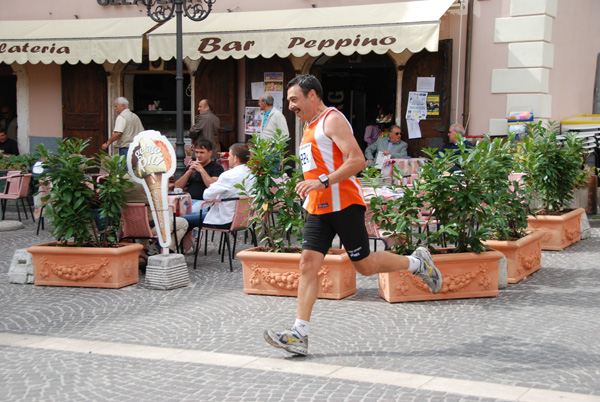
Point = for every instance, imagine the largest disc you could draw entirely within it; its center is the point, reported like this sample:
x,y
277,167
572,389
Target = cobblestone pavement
x,y
539,340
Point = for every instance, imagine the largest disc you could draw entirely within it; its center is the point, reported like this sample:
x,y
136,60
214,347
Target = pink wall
x,y
486,56
45,101
575,34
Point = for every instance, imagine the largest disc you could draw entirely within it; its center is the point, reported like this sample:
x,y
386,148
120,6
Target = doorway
x,y
361,86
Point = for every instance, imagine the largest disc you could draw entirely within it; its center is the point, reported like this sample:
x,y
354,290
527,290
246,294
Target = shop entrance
x,y
360,86
8,87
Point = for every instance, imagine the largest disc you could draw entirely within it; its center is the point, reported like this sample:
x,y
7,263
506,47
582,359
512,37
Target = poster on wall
x,y
425,84
417,106
433,105
253,120
273,85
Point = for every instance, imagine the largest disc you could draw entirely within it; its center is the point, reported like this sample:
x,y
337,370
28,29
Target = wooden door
x,y
427,64
255,72
84,98
217,80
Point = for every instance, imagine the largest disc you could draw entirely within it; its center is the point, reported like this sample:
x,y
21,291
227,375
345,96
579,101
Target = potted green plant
x,y
85,219
458,204
276,210
553,170
507,218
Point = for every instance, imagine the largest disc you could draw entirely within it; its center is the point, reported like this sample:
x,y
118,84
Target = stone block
x,y
502,273
21,267
586,230
166,272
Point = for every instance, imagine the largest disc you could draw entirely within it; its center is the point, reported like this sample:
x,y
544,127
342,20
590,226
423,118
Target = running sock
x,y
302,327
414,263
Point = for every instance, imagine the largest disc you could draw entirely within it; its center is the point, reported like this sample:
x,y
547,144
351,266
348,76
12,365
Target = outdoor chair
x,y
16,188
136,224
42,192
374,232
241,221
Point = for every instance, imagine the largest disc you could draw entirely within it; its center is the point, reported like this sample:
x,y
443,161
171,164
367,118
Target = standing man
x,y
207,125
392,145
273,119
333,198
127,126
8,146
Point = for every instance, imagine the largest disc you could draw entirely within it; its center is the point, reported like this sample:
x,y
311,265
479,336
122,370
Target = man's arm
x,y
369,151
116,135
336,127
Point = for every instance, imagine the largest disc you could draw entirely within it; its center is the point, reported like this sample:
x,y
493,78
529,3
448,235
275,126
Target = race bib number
x,y
306,158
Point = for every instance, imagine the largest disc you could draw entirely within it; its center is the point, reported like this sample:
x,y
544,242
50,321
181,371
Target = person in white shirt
x,y
127,126
221,214
273,119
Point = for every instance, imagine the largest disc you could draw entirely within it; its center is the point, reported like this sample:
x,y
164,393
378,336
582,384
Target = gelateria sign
x,y
28,48
378,28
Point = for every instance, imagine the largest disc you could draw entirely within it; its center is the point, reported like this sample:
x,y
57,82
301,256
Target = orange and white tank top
x,y
318,155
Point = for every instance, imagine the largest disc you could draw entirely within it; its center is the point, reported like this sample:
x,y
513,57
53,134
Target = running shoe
x,y
427,271
291,341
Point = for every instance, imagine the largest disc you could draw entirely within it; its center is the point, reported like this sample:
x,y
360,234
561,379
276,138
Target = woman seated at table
x,y
391,145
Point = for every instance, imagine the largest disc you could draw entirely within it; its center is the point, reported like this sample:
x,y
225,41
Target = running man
x,y
332,195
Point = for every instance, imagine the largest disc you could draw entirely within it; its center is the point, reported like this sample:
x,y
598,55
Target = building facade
x,y
62,63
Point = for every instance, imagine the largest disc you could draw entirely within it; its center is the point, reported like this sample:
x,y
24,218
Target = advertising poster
x,y
274,86
150,162
433,105
253,120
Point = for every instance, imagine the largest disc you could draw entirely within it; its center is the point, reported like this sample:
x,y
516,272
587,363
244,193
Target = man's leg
x,y
308,286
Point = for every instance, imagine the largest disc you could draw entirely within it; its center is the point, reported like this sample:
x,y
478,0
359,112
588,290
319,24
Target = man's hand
x,y
305,187
386,153
197,166
104,146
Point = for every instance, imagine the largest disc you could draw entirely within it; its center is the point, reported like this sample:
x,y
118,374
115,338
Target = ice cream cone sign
x,y
150,161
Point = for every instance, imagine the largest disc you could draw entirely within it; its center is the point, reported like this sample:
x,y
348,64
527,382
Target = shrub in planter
x,y
85,216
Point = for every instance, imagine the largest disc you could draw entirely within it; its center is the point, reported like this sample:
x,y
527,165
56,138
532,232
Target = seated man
x,y
201,174
392,146
220,215
455,129
7,145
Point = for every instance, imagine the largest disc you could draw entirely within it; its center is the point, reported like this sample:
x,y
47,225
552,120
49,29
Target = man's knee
x,y
364,266
310,263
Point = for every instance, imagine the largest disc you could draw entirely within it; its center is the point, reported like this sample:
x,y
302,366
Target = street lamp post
x,y
196,10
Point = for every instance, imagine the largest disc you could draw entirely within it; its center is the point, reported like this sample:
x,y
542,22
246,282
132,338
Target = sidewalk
x,y
538,341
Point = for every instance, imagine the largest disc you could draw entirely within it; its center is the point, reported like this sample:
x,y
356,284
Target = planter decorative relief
x,y
465,275
560,230
277,274
523,256
110,267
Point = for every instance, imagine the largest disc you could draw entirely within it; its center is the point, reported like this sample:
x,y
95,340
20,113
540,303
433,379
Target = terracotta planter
x,y
95,267
465,275
560,230
523,256
277,274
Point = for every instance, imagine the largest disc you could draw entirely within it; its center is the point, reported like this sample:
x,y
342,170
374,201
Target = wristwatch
x,y
324,179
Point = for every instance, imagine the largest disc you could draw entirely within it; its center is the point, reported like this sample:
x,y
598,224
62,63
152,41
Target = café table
x,y
181,204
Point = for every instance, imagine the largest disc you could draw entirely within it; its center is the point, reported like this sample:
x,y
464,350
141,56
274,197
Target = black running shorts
x,y
348,224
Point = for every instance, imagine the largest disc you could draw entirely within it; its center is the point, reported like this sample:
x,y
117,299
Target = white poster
x,y
414,131
417,106
425,84
258,88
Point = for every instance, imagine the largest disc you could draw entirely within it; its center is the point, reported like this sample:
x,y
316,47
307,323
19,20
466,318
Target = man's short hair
x,y
241,151
306,83
121,100
457,128
268,99
209,103
204,143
